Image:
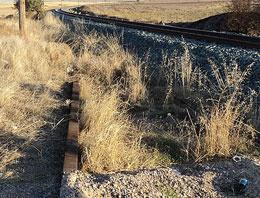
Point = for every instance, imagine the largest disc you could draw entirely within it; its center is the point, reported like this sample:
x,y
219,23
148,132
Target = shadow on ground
x,y
38,172
227,174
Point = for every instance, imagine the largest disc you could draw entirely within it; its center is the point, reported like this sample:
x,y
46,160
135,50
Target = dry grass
x,y
109,140
218,124
156,12
225,117
181,77
226,121
110,83
31,71
112,66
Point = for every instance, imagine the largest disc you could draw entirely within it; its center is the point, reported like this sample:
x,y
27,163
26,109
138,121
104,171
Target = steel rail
x,y
217,37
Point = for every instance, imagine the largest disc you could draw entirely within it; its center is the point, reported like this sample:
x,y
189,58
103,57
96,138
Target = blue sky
x,y
43,0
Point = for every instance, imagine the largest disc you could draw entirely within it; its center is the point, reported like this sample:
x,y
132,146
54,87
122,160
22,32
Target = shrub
x,y
243,17
33,6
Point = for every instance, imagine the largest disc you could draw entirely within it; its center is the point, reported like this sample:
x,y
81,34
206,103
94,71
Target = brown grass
x,y
111,81
218,124
156,12
221,125
31,71
110,140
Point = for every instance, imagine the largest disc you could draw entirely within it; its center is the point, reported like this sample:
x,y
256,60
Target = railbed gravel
x,y
195,180
153,48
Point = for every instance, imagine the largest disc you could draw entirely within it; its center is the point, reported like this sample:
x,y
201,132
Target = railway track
x,y
209,36
71,153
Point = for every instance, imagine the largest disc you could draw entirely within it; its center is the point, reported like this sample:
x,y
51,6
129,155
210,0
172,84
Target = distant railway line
x,y
209,36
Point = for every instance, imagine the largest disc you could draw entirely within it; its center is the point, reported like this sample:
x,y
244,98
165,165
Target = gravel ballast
x,y
154,48
194,180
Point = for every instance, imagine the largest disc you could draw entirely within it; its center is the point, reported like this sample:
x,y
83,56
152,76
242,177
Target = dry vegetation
x,y
156,12
204,116
217,123
111,81
223,122
32,71
244,17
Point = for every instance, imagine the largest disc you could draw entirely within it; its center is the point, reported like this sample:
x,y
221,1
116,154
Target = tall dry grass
x,y
32,70
225,115
218,124
182,78
111,82
143,11
112,66
110,142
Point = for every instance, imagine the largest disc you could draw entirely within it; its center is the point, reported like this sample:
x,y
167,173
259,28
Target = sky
x,y
43,0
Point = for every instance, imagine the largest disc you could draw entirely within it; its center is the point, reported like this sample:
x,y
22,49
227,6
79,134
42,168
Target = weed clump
x,y
111,82
244,17
222,120
32,6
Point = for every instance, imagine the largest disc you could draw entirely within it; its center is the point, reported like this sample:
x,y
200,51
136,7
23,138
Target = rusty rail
x,y
71,148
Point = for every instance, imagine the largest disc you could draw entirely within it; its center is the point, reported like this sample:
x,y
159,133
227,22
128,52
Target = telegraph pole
x,y
22,17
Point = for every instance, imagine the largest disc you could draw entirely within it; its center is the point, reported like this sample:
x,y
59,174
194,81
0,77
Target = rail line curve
x,y
209,36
